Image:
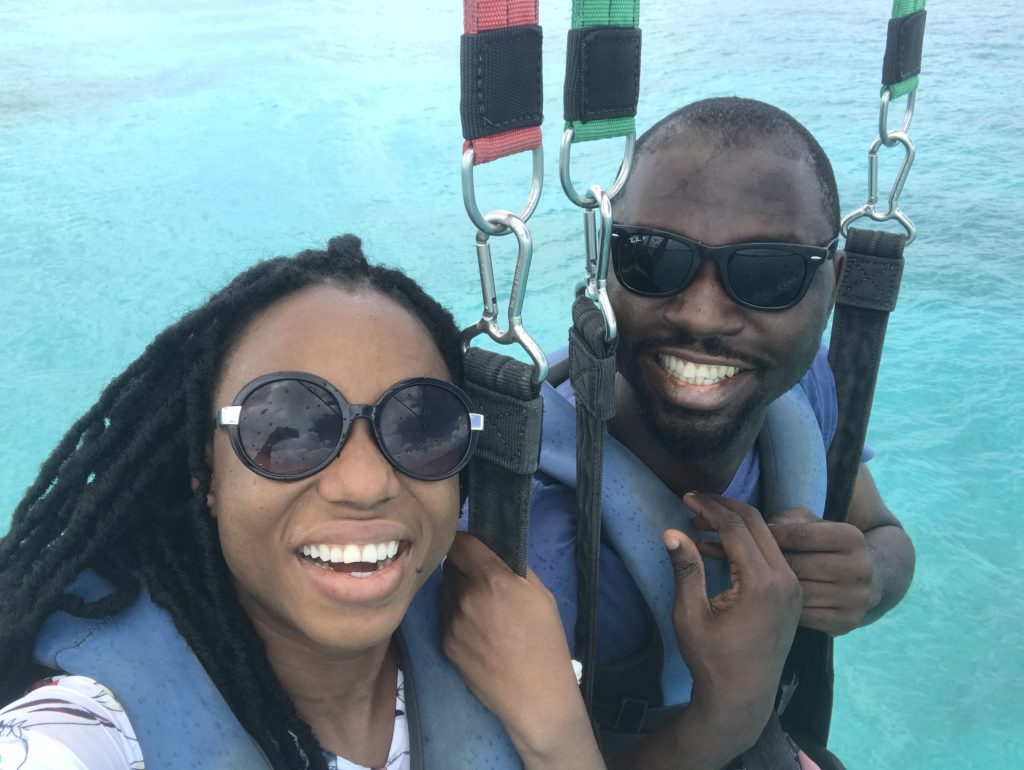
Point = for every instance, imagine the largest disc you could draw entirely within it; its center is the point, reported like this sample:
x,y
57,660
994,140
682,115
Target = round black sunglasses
x,y
290,425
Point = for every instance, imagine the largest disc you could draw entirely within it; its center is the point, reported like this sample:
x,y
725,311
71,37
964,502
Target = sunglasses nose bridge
x,y
705,307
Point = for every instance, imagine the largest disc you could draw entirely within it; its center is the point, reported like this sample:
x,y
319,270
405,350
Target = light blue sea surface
x,y
149,151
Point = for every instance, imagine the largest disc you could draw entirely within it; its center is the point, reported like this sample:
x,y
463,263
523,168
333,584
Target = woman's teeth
x,y
372,556
695,374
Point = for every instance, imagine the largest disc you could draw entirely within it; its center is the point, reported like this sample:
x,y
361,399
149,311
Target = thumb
x,y
688,567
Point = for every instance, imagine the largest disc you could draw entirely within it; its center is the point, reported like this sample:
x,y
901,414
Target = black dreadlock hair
x,y
115,496
735,122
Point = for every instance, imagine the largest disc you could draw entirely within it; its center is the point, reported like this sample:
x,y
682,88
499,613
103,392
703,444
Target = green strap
x,y
603,13
904,8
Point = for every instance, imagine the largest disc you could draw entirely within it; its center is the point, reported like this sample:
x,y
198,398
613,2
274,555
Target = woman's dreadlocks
x,y
116,496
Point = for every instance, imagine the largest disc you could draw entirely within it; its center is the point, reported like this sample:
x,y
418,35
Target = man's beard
x,y
689,434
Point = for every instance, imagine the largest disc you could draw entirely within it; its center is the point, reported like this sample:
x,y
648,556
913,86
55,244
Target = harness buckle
x,y
631,715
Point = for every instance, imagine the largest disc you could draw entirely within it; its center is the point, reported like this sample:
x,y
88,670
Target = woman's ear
x,y
211,500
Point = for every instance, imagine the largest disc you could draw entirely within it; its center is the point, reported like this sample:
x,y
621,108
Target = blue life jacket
x,y
636,506
182,721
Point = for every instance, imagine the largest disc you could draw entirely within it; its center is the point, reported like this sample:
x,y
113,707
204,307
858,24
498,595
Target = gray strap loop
x,y
874,268
592,371
855,351
508,453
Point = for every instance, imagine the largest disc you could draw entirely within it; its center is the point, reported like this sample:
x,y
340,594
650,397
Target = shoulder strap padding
x,y
637,507
178,714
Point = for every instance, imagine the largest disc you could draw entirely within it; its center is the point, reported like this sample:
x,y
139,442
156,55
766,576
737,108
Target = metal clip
x,y
469,192
501,222
894,211
883,116
597,238
888,138
564,163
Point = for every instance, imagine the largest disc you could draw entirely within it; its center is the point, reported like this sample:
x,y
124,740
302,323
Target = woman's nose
x,y
360,476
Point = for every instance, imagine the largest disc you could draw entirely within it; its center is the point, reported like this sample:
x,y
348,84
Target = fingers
x,y
471,557
815,535
691,591
746,539
792,516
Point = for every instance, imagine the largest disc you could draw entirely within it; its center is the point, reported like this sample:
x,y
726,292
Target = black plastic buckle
x,y
631,716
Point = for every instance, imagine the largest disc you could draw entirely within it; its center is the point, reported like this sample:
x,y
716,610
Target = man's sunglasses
x,y
762,276
290,425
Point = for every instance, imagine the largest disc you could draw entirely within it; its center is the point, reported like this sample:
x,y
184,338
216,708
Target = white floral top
x,y
75,723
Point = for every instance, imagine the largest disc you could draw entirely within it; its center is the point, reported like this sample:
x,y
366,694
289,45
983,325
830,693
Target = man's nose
x,y
703,308
360,477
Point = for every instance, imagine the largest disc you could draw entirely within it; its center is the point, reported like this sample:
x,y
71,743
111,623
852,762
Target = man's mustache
x,y
715,347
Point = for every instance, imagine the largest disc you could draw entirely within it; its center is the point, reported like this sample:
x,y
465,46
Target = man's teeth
x,y
695,374
380,554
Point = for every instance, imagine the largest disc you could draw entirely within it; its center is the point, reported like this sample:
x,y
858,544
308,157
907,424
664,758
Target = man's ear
x,y
839,267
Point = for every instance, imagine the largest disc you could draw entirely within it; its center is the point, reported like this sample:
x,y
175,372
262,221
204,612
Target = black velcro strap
x,y
508,454
602,73
592,372
592,365
502,87
855,350
903,46
874,268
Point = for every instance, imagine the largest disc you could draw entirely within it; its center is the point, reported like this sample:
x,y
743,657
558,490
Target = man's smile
x,y
693,373
699,386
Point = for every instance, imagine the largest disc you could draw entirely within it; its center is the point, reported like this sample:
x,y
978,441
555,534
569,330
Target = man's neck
x,y
705,472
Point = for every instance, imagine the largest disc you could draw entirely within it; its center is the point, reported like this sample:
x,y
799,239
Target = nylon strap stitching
x,y
480,15
901,8
604,13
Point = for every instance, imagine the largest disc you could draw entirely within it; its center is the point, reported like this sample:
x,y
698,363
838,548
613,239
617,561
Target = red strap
x,y
492,14
479,15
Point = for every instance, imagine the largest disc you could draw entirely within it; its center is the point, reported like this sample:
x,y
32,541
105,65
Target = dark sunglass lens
x,y
425,430
289,427
766,277
652,264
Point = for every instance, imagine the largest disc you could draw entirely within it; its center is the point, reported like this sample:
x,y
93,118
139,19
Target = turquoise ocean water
x,y
148,151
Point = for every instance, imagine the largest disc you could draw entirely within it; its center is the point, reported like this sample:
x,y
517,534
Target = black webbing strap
x,y
592,372
602,73
501,80
773,751
903,45
867,294
508,454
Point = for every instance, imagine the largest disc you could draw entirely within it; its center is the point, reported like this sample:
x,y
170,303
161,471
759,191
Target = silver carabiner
x,y
597,238
884,134
469,192
504,222
894,212
564,163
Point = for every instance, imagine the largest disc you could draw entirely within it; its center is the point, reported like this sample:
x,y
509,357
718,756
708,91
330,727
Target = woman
x,y
233,549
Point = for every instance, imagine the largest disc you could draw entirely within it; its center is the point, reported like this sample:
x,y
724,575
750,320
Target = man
x,y
726,271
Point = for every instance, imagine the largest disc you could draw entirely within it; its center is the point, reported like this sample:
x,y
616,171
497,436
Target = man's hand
x,y
834,566
736,643
503,633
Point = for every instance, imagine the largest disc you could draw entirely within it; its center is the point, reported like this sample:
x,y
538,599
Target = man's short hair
x,y
734,122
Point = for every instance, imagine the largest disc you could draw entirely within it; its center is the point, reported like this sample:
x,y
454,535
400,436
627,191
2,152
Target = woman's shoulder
x,y
67,723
